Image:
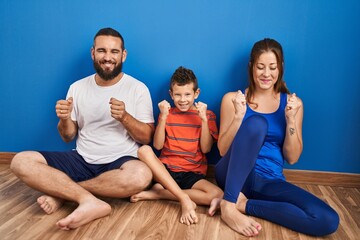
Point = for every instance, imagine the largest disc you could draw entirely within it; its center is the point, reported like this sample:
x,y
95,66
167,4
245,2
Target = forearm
x,y
139,131
227,136
159,136
206,140
67,129
293,143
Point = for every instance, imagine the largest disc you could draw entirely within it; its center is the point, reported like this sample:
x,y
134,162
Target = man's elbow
x,y
146,140
147,137
148,134
67,139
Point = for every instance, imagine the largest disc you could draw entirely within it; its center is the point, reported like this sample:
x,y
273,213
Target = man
x,y
110,115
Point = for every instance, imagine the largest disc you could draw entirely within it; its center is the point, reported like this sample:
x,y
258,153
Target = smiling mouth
x,y
107,62
108,65
183,106
266,81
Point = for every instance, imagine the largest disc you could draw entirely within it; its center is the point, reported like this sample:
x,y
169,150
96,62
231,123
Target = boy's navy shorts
x,y
74,165
185,180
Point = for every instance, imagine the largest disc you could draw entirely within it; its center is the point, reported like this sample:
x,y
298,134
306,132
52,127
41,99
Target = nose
x,y
107,55
266,71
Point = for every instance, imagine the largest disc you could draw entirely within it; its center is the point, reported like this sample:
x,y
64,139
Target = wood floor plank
x,y
150,216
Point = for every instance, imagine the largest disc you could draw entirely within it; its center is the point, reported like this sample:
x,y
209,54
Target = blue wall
x,y
45,46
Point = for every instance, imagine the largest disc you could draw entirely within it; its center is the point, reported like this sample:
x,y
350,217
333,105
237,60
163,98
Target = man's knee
x,y
22,162
17,163
143,176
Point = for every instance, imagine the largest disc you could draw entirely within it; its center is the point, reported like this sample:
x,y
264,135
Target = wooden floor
x,y
21,217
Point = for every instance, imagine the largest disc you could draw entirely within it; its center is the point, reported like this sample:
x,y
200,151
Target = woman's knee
x,y
257,124
329,222
253,128
324,223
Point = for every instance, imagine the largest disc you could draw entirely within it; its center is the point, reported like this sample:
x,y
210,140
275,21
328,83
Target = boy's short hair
x,y
183,76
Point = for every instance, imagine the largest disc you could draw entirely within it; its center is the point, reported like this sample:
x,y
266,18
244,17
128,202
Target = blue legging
x,y
275,200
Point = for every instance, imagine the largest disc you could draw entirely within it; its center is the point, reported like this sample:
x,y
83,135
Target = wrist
x,y
163,117
238,118
65,121
204,120
290,120
124,118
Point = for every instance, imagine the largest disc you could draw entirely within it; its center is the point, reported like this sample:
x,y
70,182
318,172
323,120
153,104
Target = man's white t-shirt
x,y
101,138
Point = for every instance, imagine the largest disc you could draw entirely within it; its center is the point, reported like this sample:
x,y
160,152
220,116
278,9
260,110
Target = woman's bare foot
x,y
214,206
188,214
49,204
241,203
86,212
152,194
238,221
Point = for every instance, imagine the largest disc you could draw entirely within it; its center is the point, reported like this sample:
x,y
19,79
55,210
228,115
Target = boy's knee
x,y
144,150
219,193
216,193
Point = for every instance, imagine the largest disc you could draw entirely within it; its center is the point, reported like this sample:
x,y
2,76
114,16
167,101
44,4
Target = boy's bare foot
x,y
188,214
49,204
84,213
214,206
238,221
152,194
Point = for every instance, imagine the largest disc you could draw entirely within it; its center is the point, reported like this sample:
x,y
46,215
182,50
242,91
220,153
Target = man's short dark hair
x,y
110,32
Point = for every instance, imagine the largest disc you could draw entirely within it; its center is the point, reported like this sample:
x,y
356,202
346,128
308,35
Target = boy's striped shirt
x,y
181,151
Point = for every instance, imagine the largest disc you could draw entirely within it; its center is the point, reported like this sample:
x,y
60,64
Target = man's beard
x,y
107,75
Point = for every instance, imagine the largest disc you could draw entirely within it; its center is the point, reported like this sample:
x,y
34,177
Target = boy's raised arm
x,y
206,140
159,136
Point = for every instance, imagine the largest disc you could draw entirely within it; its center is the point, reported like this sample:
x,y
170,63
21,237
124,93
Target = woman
x,y
259,130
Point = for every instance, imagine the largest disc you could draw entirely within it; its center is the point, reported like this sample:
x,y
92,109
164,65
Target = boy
x,y
184,134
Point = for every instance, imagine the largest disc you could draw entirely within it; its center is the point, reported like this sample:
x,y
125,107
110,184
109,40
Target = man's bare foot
x,y
84,213
152,194
49,204
238,221
214,206
188,214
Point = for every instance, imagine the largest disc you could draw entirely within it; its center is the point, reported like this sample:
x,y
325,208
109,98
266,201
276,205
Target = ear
x,y
124,55
197,93
92,52
171,94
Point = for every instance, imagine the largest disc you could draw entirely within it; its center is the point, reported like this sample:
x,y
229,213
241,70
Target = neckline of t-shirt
x,y
123,79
